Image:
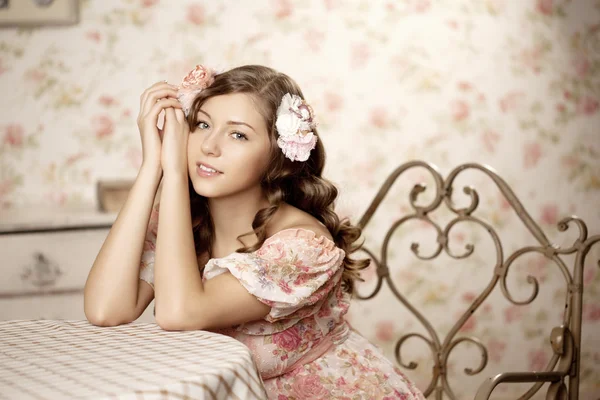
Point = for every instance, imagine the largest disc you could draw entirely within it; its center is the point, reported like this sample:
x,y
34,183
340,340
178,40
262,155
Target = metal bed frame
x,y
562,371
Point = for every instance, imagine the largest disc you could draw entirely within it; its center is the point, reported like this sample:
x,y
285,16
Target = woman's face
x,y
228,150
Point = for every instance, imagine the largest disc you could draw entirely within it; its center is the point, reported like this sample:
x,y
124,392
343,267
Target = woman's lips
x,y
206,170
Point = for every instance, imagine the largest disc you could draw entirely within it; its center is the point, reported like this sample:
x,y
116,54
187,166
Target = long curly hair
x,y
299,184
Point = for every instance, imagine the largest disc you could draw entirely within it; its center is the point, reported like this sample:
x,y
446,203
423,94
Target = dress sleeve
x,y
147,261
292,272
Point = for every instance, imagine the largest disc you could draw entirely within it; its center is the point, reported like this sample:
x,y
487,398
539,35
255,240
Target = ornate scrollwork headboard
x,y
562,371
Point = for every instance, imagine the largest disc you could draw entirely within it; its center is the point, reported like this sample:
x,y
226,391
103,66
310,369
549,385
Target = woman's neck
x,y
233,216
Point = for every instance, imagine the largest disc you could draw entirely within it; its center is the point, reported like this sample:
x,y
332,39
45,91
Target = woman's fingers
x,y
144,94
163,104
180,116
152,90
156,95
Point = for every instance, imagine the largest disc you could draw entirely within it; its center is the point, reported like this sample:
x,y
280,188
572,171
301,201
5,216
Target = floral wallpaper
x,y
511,84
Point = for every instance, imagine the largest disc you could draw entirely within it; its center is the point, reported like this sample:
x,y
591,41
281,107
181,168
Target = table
x,y
56,359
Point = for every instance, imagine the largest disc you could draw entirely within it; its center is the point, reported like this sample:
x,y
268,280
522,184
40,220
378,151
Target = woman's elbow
x,y
172,320
105,319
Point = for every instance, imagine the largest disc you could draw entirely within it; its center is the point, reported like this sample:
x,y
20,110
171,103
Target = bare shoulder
x,y
290,217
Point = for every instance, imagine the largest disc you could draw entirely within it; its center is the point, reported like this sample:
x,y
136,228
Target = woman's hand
x,y
155,99
174,145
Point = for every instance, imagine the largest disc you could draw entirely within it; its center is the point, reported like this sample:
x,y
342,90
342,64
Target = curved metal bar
x,y
381,272
480,346
506,191
413,365
563,225
390,181
469,247
530,279
414,246
486,389
576,292
566,345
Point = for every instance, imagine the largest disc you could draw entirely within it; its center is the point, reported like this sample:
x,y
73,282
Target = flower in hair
x,y
295,123
194,82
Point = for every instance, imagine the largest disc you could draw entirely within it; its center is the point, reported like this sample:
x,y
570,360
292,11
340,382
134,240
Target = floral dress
x,y
303,348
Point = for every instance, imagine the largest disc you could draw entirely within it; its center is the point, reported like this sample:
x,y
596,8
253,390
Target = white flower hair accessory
x,y
194,82
295,124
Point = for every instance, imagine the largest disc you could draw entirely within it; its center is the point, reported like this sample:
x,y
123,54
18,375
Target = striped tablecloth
x,y
47,359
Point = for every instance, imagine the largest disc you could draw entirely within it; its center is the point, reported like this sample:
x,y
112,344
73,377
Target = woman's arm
x,y
113,293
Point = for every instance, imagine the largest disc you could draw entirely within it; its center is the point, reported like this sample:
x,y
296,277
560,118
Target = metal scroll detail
x,y
565,339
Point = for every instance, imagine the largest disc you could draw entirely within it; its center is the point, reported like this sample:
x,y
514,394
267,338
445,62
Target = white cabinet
x,y
44,264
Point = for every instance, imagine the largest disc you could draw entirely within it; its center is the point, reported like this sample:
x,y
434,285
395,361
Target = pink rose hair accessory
x,y
194,82
295,124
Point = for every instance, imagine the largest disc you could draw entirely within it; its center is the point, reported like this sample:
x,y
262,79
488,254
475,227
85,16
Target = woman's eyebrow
x,y
240,123
229,122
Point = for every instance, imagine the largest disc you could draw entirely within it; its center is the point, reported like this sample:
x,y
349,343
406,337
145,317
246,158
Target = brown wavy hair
x,y
299,184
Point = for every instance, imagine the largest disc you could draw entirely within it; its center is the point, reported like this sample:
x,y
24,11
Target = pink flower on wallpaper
x,y
537,266
549,214
107,101
587,105
2,69
532,58
314,39
309,387
283,8
490,140
591,312
196,14
103,126
581,65
496,350
538,359
35,75
469,297
72,159
570,161
13,135
7,186
149,3
513,313
360,54
384,331
330,4
511,101
589,275
452,24
378,116
464,86
333,101
503,203
421,6
58,197
94,36
469,325
561,108
545,6
532,152
460,110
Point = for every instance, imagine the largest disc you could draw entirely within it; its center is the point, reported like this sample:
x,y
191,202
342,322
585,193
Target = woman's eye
x,y
239,136
202,125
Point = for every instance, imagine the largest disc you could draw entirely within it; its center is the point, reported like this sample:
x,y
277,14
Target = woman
x,y
246,242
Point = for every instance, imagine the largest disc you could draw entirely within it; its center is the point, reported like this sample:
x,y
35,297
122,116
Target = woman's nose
x,y
210,144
